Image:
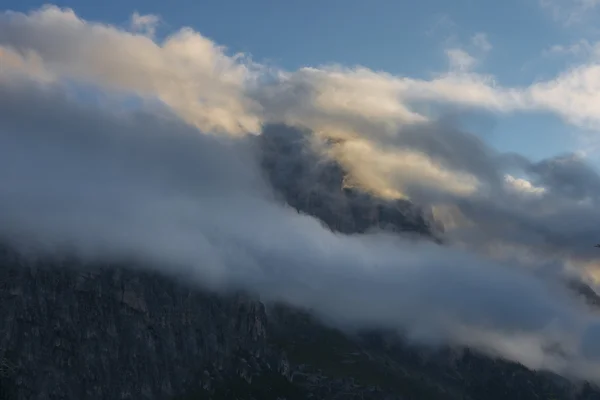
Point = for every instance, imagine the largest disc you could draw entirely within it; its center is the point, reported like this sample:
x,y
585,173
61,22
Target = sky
x,y
129,133
518,42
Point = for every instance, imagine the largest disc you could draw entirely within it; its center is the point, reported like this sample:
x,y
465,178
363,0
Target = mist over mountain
x,y
194,175
75,329
314,183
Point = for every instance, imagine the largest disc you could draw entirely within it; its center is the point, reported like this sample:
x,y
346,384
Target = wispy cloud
x,y
442,23
571,12
480,41
582,49
145,23
460,60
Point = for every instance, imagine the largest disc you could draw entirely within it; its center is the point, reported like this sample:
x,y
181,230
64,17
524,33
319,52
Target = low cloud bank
x,y
177,186
107,184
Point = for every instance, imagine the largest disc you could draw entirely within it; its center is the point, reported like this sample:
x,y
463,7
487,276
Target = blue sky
x,y
404,38
400,37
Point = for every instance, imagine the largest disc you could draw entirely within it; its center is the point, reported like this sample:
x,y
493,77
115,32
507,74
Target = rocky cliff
x,y
113,333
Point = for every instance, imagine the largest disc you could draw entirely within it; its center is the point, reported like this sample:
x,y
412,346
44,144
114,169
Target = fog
x,y
182,193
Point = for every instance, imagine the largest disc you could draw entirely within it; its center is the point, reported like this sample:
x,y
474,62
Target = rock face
x,y
118,334
112,333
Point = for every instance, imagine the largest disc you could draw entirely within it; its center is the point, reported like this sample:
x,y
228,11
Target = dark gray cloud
x,y
454,148
555,224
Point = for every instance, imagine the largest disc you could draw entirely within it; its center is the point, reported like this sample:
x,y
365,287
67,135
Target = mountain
x,y
73,330
315,184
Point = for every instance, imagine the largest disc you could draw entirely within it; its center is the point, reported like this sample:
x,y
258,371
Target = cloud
x,y
382,119
220,92
186,71
145,23
480,41
14,63
176,185
570,12
573,95
441,23
523,186
460,60
582,48
108,185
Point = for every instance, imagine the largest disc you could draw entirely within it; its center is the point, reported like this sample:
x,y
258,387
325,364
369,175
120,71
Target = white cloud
x,y
574,95
186,71
380,169
221,92
581,49
146,23
480,40
571,12
523,186
460,60
30,63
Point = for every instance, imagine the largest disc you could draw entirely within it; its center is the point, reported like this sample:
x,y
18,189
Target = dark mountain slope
x,y
112,333
411,372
